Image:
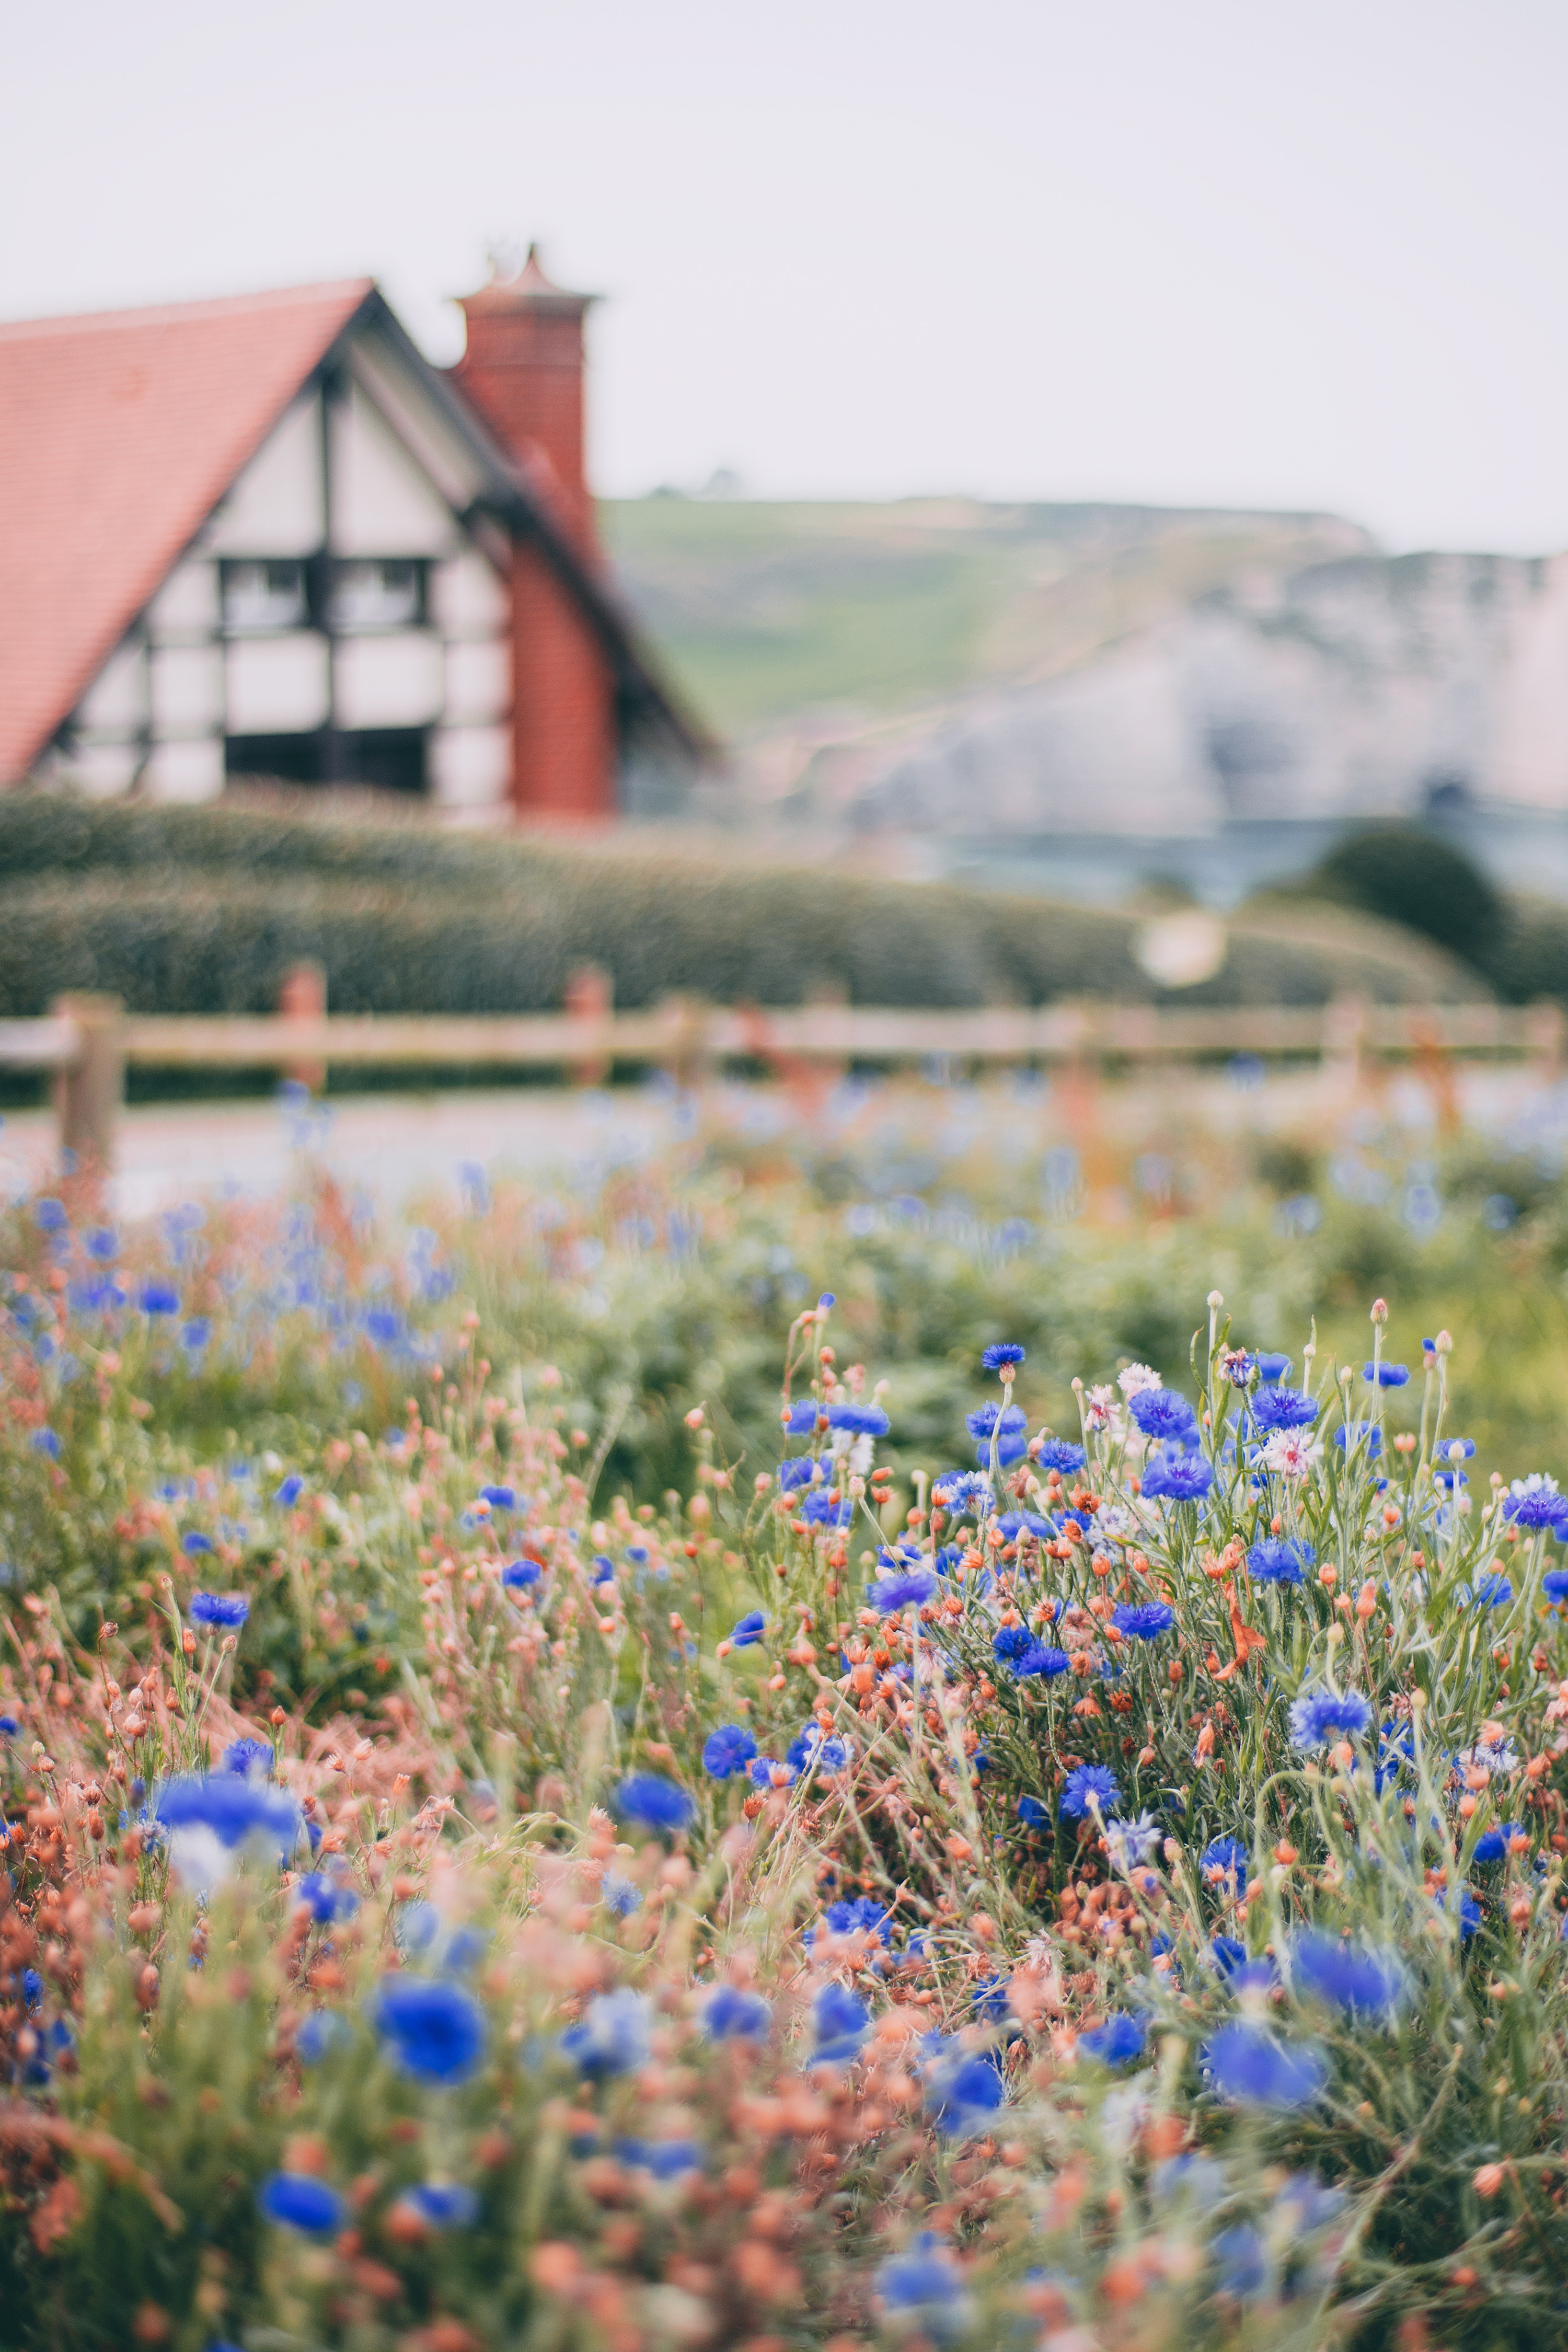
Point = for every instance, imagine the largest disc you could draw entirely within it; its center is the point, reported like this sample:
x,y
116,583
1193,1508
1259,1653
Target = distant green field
x,y
769,612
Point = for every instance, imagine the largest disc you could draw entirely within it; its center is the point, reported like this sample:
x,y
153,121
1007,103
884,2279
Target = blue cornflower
x,y
925,2284
1283,1409
32,1987
964,1493
1469,1911
1164,1414
1493,1845
50,1216
839,2024
1279,1560
1116,2043
193,1543
1272,1367
1003,1351
441,2204
1145,1622
1385,1376
800,1418
234,1808
859,1420
656,1802
1131,1843
9,1726
157,1298
103,1244
733,2014
1009,1643
801,1471
894,1593
1353,1433
434,2029
229,1609
196,1333
611,2037
1005,1424
290,1489
1033,1813
666,2159
1014,1524
619,1895
46,1440
1184,1479
1535,1502
1554,1584
1089,1785
325,1898
324,2030
1056,1454
749,1630
1242,2259
519,1574
1348,1975
299,2201
819,1510
728,1750
864,1915
500,1498
1040,1660
1488,1591
1253,2067
964,2097
1225,1859
1320,1716
247,1756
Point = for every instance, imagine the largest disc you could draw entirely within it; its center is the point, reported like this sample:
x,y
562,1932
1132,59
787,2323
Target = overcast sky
x,y
1217,251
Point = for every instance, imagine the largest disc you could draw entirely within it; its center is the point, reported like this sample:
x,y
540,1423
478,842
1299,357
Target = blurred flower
x,y
725,1752
1385,1376
839,2023
1005,1424
1347,1974
1318,1716
895,1592
1116,2043
299,2201
656,1802
1255,2067
434,2029
228,1609
925,2286
733,2014
748,1629
248,1757
612,2035
1225,1860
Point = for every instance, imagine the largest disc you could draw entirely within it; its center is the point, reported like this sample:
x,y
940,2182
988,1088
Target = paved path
x,y
401,1145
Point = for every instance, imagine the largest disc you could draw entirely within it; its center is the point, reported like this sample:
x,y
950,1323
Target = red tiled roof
x,y
119,432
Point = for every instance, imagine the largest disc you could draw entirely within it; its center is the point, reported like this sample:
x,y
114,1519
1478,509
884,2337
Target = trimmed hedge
x,y
198,910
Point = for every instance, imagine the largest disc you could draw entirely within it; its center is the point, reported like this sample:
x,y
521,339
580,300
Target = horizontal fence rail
x,y
88,1042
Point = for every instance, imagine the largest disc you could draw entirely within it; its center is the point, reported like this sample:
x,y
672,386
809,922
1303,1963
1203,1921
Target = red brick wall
x,y
524,371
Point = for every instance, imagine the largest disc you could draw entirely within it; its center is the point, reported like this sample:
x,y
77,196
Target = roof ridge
x,y
325,292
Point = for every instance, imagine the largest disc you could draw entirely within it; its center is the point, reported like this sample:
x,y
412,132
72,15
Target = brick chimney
x,y
523,369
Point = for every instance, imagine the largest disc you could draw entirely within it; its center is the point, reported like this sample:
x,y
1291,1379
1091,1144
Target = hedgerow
x,y
203,910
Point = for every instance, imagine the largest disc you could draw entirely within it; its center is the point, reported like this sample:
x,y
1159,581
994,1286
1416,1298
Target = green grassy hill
x,y
768,613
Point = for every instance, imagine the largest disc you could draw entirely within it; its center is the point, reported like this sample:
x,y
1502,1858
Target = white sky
x,y
1227,251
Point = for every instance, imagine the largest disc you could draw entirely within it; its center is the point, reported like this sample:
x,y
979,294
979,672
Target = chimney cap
x,y
525,287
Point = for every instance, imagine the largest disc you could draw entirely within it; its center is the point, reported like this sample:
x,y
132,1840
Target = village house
x,y
265,537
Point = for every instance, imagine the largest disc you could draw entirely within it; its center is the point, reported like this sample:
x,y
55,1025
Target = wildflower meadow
x,y
559,1793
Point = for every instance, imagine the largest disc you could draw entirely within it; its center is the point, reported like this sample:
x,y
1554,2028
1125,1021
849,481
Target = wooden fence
x,y
87,1042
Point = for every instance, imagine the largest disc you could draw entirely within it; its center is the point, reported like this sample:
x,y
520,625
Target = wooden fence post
x,y
302,996
1545,1026
89,1091
590,996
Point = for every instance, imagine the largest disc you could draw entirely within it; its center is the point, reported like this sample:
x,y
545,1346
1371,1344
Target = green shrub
x,y
201,910
1407,875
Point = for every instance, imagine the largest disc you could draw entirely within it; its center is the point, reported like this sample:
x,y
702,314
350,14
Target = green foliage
x,y
1405,874
201,910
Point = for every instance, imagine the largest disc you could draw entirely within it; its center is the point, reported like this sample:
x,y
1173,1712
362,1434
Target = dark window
x,y
378,592
261,596
388,759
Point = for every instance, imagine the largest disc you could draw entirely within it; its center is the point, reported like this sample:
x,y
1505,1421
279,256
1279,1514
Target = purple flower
x,y
1162,1414
656,1802
1320,1716
1089,1785
1535,1502
299,2201
1278,1560
1003,1351
230,1609
1144,1622
1182,1480
1255,2067
434,2029
728,1750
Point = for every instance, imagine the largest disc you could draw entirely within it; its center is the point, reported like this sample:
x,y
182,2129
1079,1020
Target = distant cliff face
x,y
1362,686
